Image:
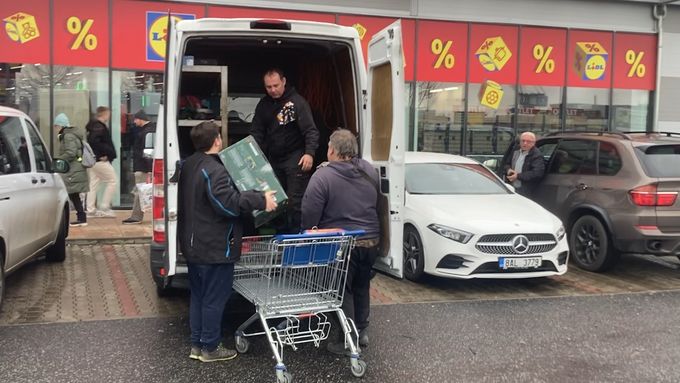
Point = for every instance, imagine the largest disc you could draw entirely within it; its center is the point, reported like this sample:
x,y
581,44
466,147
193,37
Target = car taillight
x,y
648,195
158,221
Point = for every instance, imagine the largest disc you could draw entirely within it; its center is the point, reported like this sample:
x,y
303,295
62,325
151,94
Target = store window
x,y
587,109
132,91
489,128
539,109
27,87
439,108
631,110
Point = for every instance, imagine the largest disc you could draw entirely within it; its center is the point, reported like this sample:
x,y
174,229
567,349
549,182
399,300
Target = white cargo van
x,y
218,62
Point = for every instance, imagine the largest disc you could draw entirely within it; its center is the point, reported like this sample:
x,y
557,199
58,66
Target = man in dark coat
x,y
526,167
284,128
343,194
99,138
209,232
141,166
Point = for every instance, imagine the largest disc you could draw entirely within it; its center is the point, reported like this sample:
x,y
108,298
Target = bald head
x,y
527,141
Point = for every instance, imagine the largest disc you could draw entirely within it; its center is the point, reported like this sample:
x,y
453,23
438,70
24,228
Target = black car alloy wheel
x,y
590,244
413,254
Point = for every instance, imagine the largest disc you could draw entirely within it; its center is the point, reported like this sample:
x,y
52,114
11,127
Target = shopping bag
x,y
145,193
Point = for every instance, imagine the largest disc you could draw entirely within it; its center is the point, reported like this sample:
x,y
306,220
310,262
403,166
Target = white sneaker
x,y
106,214
92,214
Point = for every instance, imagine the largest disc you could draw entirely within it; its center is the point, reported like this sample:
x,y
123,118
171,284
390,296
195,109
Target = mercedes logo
x,y
521,244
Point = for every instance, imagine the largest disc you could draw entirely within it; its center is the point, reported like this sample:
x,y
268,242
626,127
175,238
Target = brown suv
x,y
616,193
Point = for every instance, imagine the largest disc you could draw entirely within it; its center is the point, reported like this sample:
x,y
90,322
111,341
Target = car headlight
x,y
560,233
451,233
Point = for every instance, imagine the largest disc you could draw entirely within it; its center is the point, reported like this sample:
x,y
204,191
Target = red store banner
x,y
635,61
239,12
493,53
442,51
81,33
367,26
139,31
25,36
542,56
589,59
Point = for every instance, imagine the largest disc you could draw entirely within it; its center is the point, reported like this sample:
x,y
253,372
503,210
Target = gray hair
x,y
344,143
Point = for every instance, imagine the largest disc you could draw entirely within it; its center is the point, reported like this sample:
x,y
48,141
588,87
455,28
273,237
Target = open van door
x,y
385,147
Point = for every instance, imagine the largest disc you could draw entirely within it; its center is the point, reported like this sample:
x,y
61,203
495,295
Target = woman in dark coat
x,y
71,150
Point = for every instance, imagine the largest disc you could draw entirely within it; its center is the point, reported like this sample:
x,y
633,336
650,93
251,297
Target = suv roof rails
x,y
598,132
668,134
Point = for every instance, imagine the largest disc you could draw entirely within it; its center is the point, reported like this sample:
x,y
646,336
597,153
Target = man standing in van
x,y
284,128
209,232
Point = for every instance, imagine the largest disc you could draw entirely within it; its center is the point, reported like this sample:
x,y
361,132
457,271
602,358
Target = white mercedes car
x,y
462,221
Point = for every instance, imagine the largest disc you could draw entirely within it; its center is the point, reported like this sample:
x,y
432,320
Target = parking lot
x,y
112,281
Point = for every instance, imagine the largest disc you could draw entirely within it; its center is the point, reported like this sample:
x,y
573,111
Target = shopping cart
x,y
295,282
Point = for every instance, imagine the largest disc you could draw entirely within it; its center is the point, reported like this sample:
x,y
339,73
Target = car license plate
x,y
520,263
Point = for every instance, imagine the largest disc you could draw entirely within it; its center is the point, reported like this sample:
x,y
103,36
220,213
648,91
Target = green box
x,y
250,170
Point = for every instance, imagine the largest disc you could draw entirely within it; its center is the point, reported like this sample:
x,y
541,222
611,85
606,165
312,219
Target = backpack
x,y
88,159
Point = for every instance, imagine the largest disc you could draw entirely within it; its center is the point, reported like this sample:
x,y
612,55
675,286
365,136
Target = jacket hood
x,y
349,169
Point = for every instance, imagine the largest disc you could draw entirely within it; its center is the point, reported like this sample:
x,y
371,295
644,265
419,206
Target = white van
x,y
218,62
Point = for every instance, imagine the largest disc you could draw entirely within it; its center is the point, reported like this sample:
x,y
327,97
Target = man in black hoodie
x,y
343,194
99,138
209,230
284,128
140,165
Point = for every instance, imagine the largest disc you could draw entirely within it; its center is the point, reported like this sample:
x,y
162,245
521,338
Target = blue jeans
x,y
210,290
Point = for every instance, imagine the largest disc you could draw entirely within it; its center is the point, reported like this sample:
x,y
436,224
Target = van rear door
x,y
384,145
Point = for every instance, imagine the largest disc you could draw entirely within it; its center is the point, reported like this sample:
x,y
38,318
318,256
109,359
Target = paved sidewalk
x,y
111,230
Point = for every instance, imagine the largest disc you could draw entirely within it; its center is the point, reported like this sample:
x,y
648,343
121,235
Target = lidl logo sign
x,y
157,33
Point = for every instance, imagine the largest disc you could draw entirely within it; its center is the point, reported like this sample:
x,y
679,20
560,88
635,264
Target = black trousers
x,y
78,205
357,301
294,181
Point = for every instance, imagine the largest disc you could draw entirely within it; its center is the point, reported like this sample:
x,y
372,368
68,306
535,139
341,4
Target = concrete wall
x,y
669,91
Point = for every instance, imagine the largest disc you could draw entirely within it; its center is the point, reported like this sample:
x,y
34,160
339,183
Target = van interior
x,y
322,71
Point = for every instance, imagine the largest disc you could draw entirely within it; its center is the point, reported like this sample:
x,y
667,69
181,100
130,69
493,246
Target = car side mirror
x,y
148,146
492,164
60,166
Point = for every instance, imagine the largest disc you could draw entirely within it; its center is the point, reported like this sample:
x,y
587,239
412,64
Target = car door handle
x,y
581,186
4,199
34,181
42,180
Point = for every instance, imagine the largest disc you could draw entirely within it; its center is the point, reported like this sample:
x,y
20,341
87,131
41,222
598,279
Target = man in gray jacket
x,y
342,193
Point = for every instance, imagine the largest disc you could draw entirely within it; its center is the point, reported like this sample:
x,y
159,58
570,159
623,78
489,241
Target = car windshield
x,y
448,178
660,161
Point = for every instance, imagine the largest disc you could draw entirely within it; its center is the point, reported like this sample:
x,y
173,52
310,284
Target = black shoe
x,y
78,223
338,348
363,338
131,221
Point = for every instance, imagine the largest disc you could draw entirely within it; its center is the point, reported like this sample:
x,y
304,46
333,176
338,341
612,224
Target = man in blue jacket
x,y
342,193
209,231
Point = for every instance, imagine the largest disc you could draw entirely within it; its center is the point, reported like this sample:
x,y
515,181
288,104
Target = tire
x,y
163,291
360,369
242,344
2,279
57,252
414,259
591,245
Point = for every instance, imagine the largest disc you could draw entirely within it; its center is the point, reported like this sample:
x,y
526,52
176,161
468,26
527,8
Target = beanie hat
x,y
62,120
142,115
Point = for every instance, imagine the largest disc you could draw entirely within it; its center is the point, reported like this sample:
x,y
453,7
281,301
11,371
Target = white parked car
x,y
462,221
34,208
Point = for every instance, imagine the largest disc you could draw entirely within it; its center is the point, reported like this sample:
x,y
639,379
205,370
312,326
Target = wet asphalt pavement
x,y
619,338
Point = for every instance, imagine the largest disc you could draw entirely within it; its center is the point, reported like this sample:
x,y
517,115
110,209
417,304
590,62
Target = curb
x,y
109,241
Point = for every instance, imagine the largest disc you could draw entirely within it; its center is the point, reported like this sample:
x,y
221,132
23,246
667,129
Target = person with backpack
x,y
76,179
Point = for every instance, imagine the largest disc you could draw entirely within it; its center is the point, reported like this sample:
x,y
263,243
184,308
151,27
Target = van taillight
x,y
648,195
158,220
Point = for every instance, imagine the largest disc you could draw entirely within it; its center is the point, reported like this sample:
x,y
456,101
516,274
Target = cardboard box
x,y
21,27
590,61
250,170
490,94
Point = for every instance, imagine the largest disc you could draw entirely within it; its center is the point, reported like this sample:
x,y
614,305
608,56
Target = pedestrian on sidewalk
x,y
71,150
140,165
342,193
99,138
209,230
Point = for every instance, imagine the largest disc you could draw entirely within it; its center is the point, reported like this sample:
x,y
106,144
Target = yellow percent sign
x,y
443,55
634,60
545,63
82,33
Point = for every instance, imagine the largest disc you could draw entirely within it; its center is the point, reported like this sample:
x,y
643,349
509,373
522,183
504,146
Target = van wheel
x,y
57,252
591,245
163,291
414,260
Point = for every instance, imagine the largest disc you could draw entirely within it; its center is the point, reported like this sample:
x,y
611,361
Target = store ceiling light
x,y
17,67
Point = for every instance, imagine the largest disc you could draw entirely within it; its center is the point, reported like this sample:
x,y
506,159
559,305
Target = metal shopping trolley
x,y
298,279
